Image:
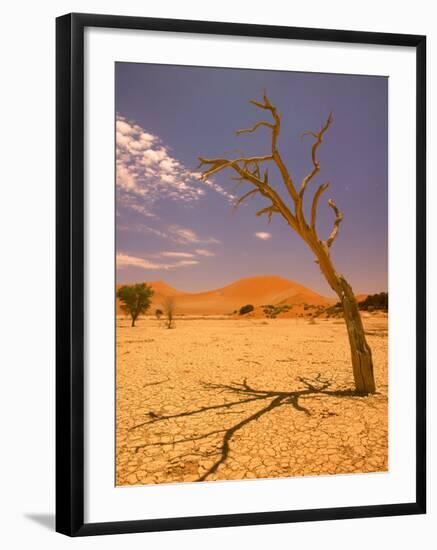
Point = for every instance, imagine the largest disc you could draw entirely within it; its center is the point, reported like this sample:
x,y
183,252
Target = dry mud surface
x,y
235,399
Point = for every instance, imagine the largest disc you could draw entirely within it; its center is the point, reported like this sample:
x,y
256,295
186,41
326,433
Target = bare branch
x,y
255,127
322,188
259,104
246,195
276,157
316,165
220,163
269,210
265,105
337,222
242,165
266,177
318,136
264,188
313,134
255,171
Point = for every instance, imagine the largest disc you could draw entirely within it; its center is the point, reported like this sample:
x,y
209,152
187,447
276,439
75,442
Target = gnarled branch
x,y
221,163
269,210
322,188
337,222
246,195
276,157
248,169
255,127
318,136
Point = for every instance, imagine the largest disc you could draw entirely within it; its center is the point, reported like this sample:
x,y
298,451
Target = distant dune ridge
x,y
259,290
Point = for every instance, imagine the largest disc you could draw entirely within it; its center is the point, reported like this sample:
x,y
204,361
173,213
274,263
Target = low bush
x,y
271,312
246,309
374,302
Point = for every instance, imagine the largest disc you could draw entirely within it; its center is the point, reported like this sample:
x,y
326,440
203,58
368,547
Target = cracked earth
x,y
224,399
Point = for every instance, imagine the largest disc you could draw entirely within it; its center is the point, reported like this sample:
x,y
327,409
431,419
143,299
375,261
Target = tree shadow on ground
x,y
247,394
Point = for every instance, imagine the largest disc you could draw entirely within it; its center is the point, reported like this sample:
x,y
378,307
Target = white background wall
x,y
27,124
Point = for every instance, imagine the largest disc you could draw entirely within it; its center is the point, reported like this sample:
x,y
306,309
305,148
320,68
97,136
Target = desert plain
x,y
228,397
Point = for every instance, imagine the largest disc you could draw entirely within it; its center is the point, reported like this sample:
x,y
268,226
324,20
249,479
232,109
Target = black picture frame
x,y
70,273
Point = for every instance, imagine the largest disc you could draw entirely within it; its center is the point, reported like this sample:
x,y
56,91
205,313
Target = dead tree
x,y
248,169
169,310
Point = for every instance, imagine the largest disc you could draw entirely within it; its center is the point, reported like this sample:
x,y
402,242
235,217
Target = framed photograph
x,y
236,204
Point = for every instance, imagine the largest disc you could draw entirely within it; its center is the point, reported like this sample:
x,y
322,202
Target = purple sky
x,y
174,228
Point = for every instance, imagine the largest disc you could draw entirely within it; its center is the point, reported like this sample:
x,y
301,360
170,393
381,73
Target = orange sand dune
x,y
259,290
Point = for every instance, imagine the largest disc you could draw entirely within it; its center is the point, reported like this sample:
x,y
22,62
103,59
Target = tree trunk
x,y
361,354
133,321
362,364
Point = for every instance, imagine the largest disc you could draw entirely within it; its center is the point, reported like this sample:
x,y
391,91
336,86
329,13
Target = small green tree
x,y
135,299
159,313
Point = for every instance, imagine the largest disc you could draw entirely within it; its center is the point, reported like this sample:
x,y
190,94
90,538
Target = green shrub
x,y
272,312
374,302
246,309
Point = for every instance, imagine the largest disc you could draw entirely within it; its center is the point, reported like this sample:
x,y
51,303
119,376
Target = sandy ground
x,y
232,399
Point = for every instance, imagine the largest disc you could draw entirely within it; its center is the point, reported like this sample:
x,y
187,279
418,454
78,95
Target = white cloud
x,y
128,200
264,236
125,179
177,254
169,165
204,252
146,171
218,188
125,260
174,233
184,235
168,178
123,127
